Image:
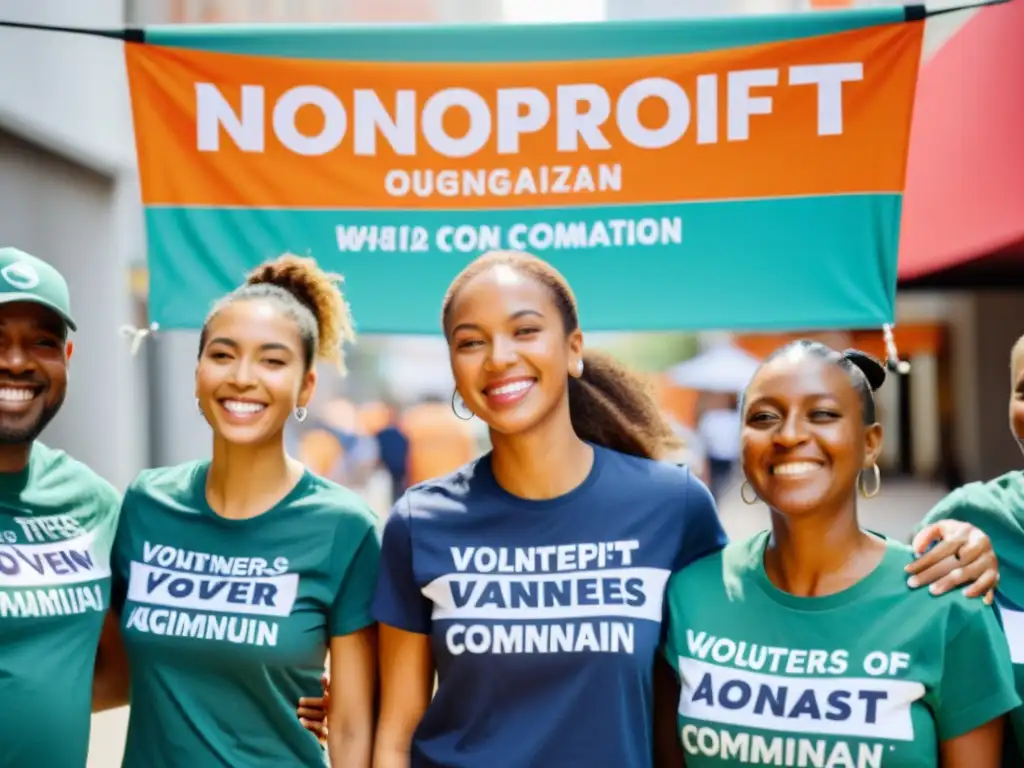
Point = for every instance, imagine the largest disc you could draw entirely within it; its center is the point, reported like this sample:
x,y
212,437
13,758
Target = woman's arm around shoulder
x,y
953,544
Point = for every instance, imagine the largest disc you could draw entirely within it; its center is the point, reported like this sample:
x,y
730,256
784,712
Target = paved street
x,y
893,512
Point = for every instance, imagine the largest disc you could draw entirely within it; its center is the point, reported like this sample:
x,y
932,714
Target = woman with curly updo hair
x,y
234,576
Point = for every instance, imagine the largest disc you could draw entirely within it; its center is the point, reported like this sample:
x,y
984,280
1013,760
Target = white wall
x,y
70,91
68,193
68,216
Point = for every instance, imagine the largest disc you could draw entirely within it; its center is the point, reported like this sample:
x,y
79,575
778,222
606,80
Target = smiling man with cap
x,y
35,317
57,524
58,519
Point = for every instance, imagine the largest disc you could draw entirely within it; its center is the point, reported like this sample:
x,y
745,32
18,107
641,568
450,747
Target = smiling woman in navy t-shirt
x,y
532,579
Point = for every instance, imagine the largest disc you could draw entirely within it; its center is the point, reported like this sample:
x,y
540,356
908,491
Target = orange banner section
x,y
913,339
816,116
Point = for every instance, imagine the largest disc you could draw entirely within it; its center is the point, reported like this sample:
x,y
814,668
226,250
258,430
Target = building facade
x,y
69,194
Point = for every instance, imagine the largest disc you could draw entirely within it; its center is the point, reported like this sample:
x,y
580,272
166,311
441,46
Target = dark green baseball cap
x,y
23,277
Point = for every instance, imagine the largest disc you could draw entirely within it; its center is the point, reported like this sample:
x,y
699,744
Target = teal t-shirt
x,y
57,524
872,677
997,508
227,622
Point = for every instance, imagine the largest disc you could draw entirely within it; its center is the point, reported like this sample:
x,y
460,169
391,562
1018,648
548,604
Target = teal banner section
x,y
499,42
646,267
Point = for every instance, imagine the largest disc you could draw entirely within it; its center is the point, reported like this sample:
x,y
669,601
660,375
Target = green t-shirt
x,y
997,508
57,524
227,622
870,677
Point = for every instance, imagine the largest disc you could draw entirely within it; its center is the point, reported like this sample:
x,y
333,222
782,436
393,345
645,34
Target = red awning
x,y
964,204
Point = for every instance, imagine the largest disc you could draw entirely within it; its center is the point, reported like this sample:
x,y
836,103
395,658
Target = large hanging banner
x,y
741,173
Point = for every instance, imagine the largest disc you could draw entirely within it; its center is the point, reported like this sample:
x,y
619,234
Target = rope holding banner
x,y
892,355
138,335
126,34
931,12
915,12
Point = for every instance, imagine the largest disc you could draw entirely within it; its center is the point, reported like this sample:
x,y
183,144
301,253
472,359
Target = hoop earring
x,y
456,399
743,493
199,407
863,486
301,413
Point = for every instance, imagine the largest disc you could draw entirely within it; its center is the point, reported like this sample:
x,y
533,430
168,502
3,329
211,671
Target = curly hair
x,y
307,294
609,405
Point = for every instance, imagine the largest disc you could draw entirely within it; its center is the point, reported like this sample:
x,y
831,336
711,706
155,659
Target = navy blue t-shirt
x,y
544,616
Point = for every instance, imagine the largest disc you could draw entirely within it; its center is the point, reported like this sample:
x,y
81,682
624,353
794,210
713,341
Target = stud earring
x,y
579,367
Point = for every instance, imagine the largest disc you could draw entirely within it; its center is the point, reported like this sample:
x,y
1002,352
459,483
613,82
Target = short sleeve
x,y
703,534
351,609
671,623
120,554
398,601
954,506
109,503
977,504
977,683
